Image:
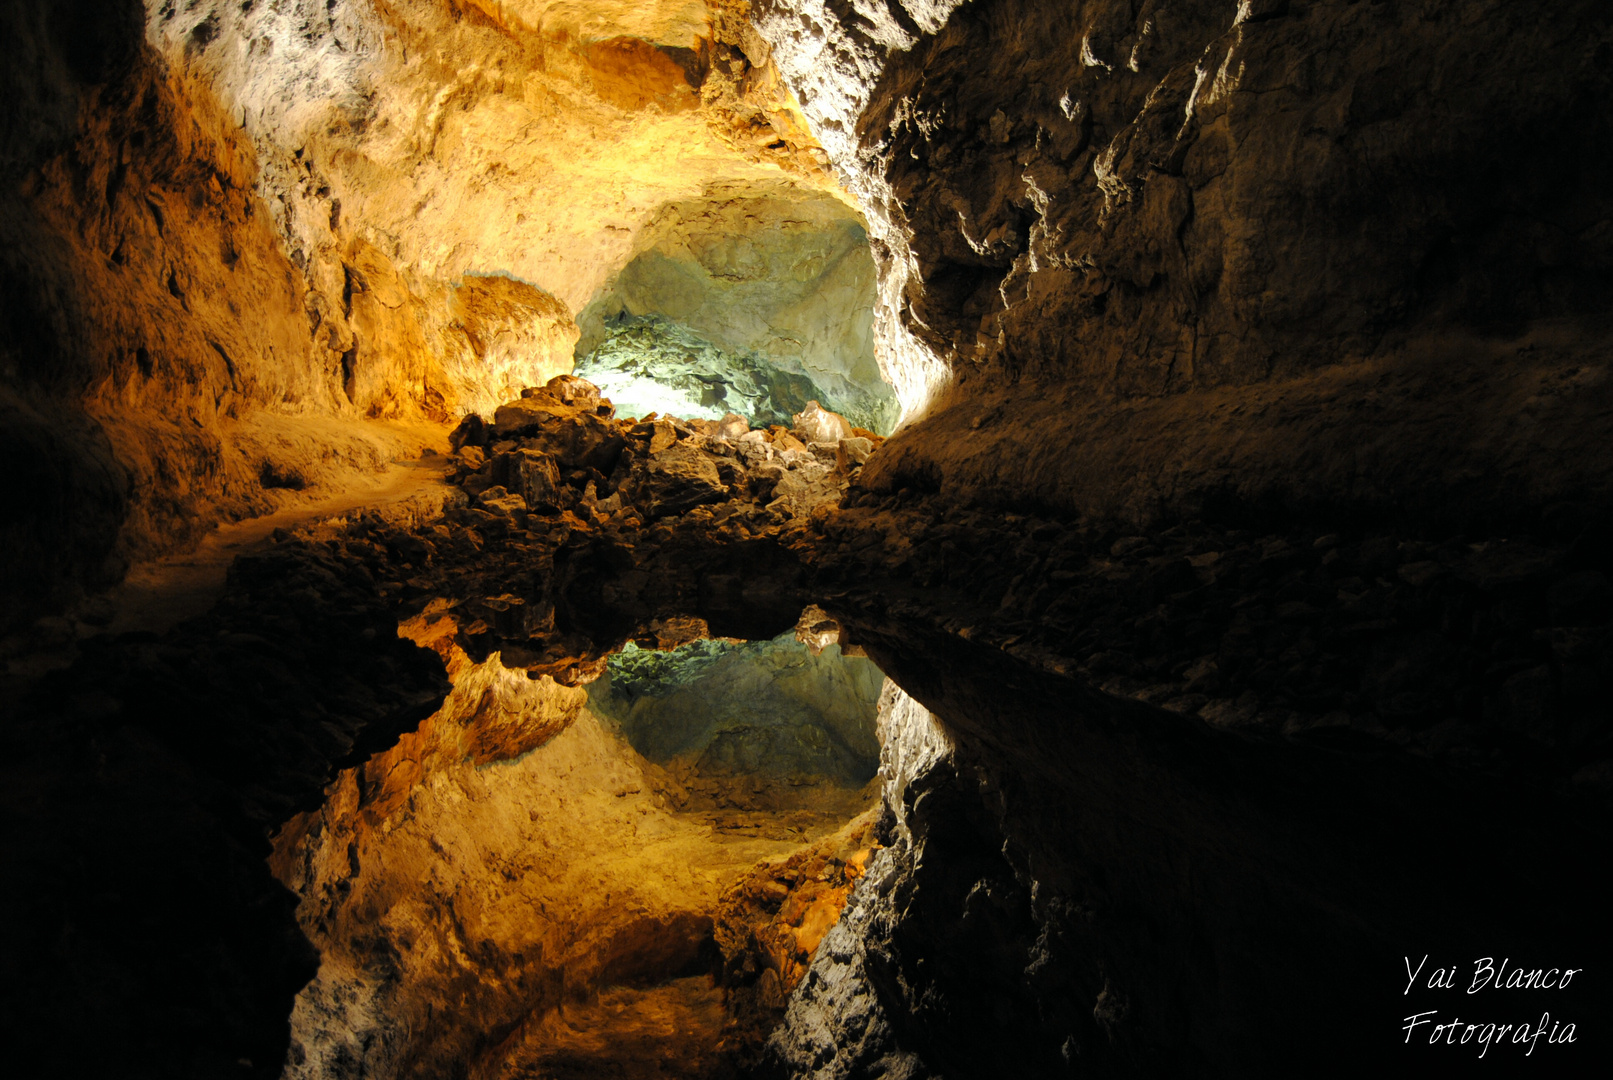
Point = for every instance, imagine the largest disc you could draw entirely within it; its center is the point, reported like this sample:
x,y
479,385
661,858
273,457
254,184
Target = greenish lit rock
x,y
780,273
651,364
763,708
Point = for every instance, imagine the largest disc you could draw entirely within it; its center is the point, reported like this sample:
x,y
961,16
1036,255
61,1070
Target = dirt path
x,y
155,595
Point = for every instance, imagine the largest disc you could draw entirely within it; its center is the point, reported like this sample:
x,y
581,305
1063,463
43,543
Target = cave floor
x,y
160,592
157,593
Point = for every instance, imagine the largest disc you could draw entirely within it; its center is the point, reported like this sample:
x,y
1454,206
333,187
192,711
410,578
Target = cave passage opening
x,y
752,300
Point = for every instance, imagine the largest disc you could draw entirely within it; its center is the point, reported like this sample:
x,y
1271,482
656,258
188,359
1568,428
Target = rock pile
x,y
578,529
1482,651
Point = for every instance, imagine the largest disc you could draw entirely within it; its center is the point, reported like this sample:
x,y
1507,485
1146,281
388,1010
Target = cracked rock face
x,y
771,275
1131,182
239,235
1074,205
1243,558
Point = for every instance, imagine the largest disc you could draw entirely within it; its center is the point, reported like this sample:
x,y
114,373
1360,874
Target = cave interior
x,y
804,540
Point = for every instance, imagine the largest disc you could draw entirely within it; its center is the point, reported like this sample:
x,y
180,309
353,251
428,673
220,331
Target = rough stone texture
x,y
782,273
653,523
133,248
514,336
769,709
535,138
775,921
1093,205
1403,442
1268,339
601,891
1070,874
837,1024
221,220
409,152
834,63
674,481
1341,684
442,350
651,364
511,887
158,764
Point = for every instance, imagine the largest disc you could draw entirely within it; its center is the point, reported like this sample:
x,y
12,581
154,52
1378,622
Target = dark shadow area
x,y
1101,886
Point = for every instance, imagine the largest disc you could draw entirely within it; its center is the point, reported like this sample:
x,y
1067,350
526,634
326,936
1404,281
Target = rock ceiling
x,y
532,139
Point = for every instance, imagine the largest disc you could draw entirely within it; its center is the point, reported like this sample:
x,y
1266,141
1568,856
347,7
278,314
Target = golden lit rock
x,y
709,538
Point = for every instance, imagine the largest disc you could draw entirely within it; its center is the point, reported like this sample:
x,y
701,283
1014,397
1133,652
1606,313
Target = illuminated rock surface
x,y
768,709
1241,557
314,216
653,365
512,887
1162,249
782,278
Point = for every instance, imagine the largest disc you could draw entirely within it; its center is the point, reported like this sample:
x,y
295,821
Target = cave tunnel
x,y
765,538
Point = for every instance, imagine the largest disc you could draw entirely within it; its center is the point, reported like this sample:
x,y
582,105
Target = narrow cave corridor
x,y
570,539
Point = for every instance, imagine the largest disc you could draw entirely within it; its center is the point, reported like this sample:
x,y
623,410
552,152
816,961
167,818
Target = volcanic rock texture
x,y
1097,219
785,278
254,250
512,889
1244,551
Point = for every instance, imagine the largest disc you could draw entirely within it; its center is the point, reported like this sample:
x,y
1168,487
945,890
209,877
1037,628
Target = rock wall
x,y
218,216
534,139
1084,886
1099,205
784,273
1338,269
133,253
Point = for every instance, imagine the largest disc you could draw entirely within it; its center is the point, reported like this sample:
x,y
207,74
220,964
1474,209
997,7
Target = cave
x,y
805,541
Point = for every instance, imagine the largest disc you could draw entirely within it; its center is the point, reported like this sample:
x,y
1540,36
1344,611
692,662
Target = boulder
x,y
539,480
732,426
783,440
566,390
496,500
817,424
577,438
653,436
675,481
852,453
472,431
754,449
764,479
